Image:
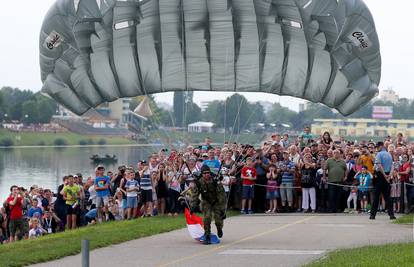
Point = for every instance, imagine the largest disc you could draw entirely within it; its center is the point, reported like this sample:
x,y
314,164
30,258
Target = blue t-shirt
x,y
33,210
100,182
214,164
364,181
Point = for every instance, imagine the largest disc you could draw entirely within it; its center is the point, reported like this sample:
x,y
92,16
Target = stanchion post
x,y
85,253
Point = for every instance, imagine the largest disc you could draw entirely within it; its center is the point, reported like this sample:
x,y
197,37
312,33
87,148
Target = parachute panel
x,y
325,51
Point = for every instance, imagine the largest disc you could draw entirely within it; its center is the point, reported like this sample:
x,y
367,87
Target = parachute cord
x,y
235,120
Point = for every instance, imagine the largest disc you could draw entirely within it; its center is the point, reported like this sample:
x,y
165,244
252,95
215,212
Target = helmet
x,y
205,168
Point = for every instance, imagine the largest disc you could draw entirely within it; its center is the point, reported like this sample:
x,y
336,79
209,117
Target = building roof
x,y
201,124
363,120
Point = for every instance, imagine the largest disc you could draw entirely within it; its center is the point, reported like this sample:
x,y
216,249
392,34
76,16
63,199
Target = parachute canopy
x,y
95,51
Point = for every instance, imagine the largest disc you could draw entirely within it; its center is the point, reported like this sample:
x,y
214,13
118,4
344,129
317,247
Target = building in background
x,y
389,95
200,127
113,115
363,127
382,112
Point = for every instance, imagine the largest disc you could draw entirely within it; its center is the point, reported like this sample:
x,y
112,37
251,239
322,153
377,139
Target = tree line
x,y
234,113
25,106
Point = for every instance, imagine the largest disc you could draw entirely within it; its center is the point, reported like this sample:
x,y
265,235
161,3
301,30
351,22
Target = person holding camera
x,y
213,201
15,202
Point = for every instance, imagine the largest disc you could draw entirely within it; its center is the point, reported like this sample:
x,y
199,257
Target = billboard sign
x,y
382,112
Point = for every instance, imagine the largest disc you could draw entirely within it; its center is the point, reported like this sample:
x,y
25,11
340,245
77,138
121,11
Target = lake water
x,y
45,167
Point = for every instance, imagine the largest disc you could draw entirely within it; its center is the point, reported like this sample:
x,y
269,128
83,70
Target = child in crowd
x,y
248,175
35,208
36,230
363,178
272,192
132,188
395,191
353,196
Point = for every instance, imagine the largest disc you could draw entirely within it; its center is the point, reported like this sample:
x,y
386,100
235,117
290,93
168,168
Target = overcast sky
x,y
20,23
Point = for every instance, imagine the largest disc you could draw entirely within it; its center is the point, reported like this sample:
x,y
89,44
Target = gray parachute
x,y
95,51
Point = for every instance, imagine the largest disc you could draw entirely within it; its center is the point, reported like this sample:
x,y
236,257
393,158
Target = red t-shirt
x,y
248,172
16,211
404,167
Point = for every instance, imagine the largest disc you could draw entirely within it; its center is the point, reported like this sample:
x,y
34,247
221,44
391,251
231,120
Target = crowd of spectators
x,y
303,174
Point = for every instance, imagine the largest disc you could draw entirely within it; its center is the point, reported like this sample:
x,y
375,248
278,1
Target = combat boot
x,y
207,240
219,232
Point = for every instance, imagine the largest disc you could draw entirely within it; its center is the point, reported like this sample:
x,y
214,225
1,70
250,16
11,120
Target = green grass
x,y
34,138
406,219
400,255
69,243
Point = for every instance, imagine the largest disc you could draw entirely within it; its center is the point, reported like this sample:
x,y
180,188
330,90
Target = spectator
x,y
15,202
36,229
363,178
308,179
35,208
248,175
287,168
146,189
102,188
337,173
71,195
131,188
272,193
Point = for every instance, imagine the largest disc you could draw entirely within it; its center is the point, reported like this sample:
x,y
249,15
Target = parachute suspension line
x,y
235,120
185,70
144,90
225,100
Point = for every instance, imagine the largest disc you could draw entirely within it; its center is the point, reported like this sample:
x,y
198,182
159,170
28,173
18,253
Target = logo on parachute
x,y
53,40
360,38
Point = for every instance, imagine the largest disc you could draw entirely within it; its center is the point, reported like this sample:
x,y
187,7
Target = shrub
x,y
41,143
6,142
102,141
60,142
83,142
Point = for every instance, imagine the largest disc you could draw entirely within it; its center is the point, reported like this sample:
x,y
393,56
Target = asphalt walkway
x,y
252,240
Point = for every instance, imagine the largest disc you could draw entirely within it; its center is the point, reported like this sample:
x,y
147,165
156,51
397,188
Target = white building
x,y
389,95
200,127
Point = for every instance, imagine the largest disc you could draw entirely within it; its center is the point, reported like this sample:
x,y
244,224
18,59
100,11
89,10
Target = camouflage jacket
x,y
210,192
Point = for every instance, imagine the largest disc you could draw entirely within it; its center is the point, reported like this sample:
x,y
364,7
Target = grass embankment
x,y
401,254
49,139
69,243
406,219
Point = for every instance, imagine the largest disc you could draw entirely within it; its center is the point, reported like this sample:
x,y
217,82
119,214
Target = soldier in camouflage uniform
x,y
213,201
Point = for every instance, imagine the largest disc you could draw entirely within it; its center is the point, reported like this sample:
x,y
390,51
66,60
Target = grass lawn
x,y
406,219
376,256
69,243
34,139
401,254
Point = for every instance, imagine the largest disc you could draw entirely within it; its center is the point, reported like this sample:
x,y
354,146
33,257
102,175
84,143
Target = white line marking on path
x,y
271,252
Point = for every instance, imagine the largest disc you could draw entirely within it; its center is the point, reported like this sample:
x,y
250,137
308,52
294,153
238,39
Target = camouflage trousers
x,y
212,211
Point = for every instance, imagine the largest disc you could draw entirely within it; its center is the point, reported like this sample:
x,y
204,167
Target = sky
x,y
20,23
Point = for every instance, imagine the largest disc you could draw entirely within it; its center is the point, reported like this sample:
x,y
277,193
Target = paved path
x,y
253,240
